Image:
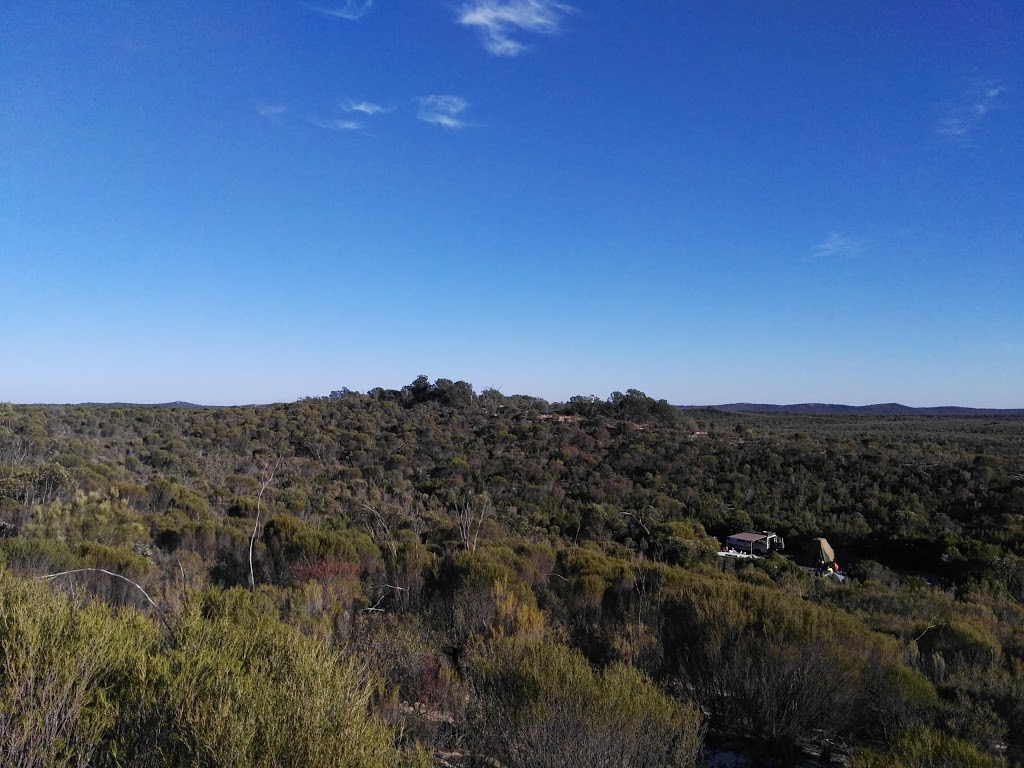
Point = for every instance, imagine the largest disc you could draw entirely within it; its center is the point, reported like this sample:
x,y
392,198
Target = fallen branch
x,y
375,607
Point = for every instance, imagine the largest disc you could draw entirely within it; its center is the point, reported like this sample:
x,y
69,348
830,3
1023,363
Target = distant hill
x,y
879,409
175,404
183,404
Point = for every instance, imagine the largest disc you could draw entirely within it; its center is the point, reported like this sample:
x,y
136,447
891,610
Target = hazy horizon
x,y
478,390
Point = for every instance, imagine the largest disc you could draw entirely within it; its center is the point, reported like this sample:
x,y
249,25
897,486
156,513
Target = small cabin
x,y
755,543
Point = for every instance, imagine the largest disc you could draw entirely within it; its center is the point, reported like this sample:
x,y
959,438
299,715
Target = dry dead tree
x,y
259,499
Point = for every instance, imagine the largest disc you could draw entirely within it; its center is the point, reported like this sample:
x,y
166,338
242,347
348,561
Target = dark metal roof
x,y
750,536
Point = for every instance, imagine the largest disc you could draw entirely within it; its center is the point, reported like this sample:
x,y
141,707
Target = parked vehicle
x,y
761,543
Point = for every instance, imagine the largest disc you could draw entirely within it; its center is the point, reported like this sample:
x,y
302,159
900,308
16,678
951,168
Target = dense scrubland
x,y
435,576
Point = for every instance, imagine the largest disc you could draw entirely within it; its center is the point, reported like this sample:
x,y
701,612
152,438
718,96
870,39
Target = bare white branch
x,y
471,520
145,594
375,606
930,626
639,520
259,499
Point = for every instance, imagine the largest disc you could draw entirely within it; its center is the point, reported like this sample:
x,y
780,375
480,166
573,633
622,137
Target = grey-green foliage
x,y
233,686
784,671
35,485
926,748
61,670
243,689
541,706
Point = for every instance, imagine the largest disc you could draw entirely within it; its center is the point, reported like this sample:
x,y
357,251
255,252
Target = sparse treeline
x,y
491,577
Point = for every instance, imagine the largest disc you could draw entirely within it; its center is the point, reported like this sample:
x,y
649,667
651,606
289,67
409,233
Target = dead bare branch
x,y
930,626
259,499
163,616
470,523
639,521
376,606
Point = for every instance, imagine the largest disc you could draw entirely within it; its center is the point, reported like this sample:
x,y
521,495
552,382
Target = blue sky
x,y
232,202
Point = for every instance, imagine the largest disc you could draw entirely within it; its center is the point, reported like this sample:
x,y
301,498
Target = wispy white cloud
x,y
445,111
500,20
351,10
960,120
367,108
273,112
337,125
837,245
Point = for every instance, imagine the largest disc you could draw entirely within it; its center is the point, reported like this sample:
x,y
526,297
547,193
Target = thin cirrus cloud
x,y
350,10
367,108
499,21
837,245
272,111
960,121
337,125
443,110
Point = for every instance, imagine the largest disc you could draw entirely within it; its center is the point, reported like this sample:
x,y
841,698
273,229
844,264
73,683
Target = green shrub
x,y
683,543
117,559
232,686
962,642
926,748
539,705
290,540
29,555
64,671
242,689
769,666
898,698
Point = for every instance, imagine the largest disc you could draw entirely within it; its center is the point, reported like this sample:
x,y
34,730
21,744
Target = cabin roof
x,y
749,536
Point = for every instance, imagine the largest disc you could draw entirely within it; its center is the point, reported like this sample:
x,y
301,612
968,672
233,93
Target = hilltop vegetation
x,y
473,574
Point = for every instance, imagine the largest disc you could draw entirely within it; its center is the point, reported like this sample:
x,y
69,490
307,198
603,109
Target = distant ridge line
x,y
809,409
879,409
175,404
